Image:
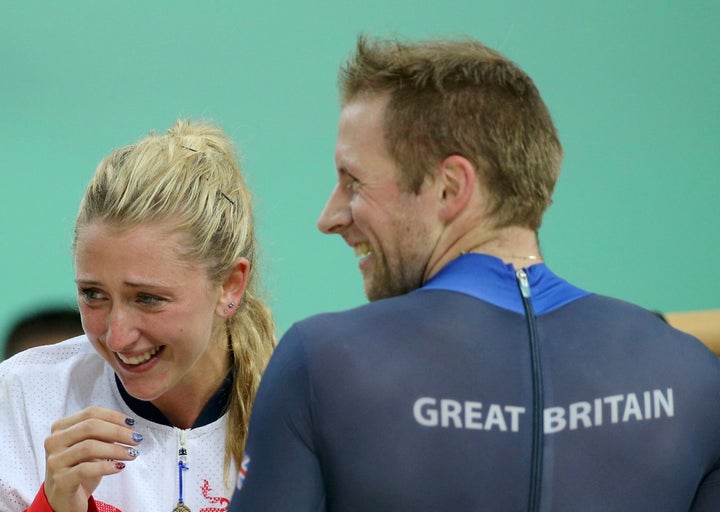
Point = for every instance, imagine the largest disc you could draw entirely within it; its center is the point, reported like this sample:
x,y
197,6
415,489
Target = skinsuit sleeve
x,y
281,467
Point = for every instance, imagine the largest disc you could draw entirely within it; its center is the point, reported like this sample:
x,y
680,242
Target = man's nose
x,y
336,215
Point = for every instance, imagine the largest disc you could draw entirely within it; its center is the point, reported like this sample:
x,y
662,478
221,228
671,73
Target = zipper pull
x,y
182,466
182,447
523,281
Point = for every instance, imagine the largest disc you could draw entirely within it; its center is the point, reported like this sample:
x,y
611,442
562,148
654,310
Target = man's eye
x,y
149,300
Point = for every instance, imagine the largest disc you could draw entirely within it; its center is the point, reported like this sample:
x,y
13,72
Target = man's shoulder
x,y
363,319
624,317
613,325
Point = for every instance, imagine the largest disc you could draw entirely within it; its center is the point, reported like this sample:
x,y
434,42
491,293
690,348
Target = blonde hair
x,y
190,178
459,97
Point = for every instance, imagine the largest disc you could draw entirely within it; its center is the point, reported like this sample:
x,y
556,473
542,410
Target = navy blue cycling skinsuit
x,y
487,389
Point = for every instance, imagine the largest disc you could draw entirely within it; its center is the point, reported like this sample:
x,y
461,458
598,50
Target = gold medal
x,y
180,507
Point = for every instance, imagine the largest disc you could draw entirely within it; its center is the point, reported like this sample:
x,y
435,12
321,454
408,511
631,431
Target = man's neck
x,y
514,245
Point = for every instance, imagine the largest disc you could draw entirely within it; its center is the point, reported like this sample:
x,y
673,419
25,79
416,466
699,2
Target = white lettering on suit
x,y
444,412
619,408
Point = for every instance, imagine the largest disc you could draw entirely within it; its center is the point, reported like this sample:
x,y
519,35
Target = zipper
x,y
536,467
182,459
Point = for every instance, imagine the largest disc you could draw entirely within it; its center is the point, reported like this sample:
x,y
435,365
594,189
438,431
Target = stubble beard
x,y
385,282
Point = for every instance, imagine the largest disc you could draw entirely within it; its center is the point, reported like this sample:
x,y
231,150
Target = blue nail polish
x,y
137,437
129,421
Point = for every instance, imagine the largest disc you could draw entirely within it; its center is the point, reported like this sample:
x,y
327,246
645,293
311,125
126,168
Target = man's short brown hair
x,y
459,97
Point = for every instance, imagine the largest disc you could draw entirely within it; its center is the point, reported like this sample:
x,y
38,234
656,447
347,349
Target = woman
x,y
138,410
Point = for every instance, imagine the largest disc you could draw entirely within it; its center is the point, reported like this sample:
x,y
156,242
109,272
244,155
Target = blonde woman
x,y
134,414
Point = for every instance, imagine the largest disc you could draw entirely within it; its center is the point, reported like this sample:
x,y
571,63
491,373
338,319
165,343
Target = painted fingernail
x,y
119,465
133,452
137,437
130,421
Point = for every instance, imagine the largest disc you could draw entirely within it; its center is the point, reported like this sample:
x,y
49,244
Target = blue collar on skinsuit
x,y
488,278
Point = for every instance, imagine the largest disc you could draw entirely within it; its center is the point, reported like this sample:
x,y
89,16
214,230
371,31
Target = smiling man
x,y
476,379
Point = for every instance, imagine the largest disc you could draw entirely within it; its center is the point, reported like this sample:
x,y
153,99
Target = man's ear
x,y
458,181
233,288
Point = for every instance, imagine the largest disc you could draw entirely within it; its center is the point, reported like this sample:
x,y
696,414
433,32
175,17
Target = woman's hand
x,y
83,448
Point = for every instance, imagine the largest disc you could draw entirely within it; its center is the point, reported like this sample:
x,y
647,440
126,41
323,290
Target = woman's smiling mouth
x,y
139,359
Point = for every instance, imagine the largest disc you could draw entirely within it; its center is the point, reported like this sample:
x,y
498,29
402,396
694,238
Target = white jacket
x,y
44,384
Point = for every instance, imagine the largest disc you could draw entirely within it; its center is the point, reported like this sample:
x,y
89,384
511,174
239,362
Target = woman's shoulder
x,y
57,364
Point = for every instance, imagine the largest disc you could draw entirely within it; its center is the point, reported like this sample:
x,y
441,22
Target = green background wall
x,y
633,87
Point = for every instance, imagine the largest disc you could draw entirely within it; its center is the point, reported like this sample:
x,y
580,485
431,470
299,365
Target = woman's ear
x,y
233,288
458,181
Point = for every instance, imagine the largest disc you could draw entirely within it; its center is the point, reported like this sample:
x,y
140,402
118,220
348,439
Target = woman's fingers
x,y
81,449
94,414
89,450
70,434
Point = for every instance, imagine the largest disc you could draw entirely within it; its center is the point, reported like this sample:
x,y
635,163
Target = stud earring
x,y
231,305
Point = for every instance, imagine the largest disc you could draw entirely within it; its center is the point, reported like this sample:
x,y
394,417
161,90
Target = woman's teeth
x,y
140,358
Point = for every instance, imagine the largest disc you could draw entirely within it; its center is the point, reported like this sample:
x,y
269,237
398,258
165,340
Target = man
x,y
476,379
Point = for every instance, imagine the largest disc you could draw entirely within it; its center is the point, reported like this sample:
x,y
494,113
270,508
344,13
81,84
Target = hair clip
x,y
226,197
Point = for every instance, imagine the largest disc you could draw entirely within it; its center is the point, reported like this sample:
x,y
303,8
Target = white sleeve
x,y
22,468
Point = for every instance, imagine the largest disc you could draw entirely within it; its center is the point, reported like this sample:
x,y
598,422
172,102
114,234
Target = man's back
x,y
425,402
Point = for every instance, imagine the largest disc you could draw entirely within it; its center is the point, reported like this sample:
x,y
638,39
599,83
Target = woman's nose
x,y
121,330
